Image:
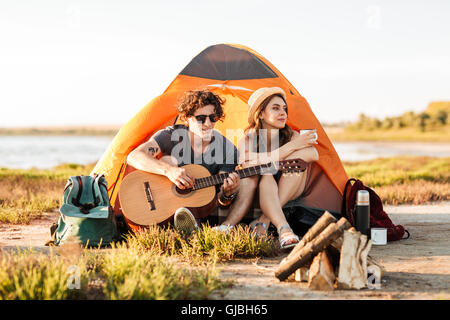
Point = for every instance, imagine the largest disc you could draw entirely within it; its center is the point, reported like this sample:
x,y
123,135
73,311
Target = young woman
x,y
269,139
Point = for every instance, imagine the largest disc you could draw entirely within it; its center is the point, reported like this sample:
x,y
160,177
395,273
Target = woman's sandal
x,y
287,238
256,225
223,228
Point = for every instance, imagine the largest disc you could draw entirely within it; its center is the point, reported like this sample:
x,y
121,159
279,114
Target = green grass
x,y
206,244
116,273
155,263
33,276
130,274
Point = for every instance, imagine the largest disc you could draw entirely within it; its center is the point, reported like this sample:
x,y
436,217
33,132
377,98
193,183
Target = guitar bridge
x,y
148,193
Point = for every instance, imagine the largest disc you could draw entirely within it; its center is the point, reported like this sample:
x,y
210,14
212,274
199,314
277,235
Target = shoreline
x,y
335,134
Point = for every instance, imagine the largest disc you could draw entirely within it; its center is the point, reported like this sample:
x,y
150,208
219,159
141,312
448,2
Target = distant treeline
x,y
436,116
60,131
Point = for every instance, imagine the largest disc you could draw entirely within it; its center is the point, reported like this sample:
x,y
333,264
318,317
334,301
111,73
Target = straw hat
x,y
259,95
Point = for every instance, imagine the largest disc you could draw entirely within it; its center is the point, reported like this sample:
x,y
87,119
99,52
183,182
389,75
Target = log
x,y
302,274
353,263
337,244
334,249
321,273
313,232
364,253
307,253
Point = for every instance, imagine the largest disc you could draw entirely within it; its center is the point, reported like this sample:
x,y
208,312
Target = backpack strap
x,y
96,192
344,199
99,184
84,207
75,181
407,237
53,228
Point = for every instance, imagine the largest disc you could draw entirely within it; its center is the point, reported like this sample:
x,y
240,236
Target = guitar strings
x,y
209,181
205,182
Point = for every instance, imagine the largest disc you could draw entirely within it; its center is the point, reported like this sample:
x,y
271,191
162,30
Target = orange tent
x,y
234,72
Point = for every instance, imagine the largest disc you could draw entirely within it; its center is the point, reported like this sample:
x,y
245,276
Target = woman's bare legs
x,y
274,196
269,202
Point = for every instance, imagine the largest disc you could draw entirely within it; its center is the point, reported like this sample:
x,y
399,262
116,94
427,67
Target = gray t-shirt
x,y
221,154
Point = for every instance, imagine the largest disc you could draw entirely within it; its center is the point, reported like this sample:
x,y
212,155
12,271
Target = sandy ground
x,y
416,268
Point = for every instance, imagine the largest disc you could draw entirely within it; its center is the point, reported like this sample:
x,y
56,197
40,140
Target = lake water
x,y
48,151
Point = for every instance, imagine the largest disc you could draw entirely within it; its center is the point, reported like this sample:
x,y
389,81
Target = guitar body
x,y
148,199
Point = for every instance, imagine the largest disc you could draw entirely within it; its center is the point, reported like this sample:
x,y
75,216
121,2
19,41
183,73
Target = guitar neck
x,y
220,178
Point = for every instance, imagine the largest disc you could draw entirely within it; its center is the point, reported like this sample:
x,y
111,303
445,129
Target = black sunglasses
x,y
202,118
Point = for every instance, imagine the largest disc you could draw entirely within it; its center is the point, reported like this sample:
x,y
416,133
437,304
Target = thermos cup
x,y
378,236
362,212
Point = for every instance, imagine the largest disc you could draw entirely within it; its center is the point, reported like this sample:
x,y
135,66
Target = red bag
x,y
378,217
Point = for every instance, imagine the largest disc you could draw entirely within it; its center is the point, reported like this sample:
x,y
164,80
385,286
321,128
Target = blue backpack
x,y
85,215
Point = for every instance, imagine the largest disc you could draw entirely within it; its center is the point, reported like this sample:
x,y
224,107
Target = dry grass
x,y
27,194
400,170
417,192
22,198
405,180
404,134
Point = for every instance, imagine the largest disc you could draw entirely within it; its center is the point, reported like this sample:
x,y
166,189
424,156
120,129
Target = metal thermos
x,y
362,212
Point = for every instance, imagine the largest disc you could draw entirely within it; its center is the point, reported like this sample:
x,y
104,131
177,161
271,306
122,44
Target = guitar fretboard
x,y
219,178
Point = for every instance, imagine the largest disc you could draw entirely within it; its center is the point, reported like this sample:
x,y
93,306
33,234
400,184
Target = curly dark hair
x,y
196,99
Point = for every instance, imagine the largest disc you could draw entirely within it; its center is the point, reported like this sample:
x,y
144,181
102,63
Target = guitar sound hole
x,y
183,191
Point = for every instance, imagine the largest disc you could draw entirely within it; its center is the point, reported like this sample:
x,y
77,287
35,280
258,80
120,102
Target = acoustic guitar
x,y
148,199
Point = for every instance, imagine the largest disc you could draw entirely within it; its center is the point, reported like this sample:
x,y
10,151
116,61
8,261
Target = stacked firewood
x,y
332,254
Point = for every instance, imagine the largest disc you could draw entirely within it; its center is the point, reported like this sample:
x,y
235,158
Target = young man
x,y
195,142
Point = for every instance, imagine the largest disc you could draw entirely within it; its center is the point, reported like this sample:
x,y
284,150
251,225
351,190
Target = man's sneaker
x,y
184,221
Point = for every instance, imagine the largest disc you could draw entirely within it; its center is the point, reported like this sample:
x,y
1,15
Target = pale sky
x,y
84,62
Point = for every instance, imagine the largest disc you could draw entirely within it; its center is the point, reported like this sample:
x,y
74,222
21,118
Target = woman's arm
x,y
247,157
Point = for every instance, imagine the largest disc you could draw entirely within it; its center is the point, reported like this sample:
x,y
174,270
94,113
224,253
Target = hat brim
x,y
100,212
259,96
